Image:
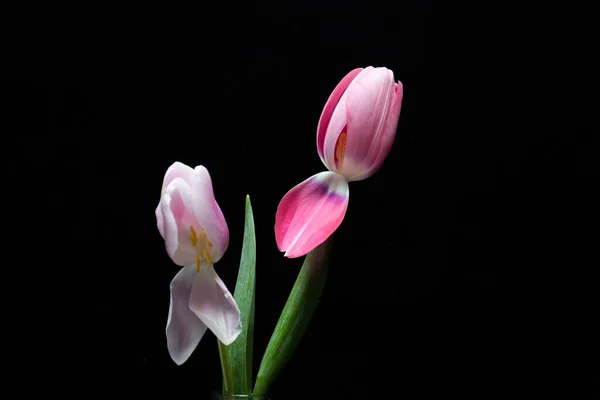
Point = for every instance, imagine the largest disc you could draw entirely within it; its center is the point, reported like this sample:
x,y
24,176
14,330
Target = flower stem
x,y
295,317
225,368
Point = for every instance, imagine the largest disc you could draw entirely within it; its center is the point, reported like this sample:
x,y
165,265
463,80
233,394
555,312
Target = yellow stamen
x,y
202,239
200,242
193,236
340,148
205,253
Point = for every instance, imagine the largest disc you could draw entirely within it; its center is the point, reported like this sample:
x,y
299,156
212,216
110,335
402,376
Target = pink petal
x,y
177,219
379,154
184,329
310,212
368,102
176,170
337,124
208,213
214,305
160,220
330,105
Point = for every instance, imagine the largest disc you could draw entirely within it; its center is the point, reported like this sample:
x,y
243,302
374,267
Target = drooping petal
x,y
214,305
208,213
368,101
184,330
177,219
331,104
379,153
310,212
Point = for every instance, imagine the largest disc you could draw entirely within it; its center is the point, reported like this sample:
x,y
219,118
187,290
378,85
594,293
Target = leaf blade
x,y
240,351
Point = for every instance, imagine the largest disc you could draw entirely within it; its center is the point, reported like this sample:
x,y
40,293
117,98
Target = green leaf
x,y
295,317
240,351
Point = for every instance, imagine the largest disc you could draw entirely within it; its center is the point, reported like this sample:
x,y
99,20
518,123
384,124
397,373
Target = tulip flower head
x,y
354,136
196,236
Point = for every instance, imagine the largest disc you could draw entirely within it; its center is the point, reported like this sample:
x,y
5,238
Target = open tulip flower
x,y
354,135
196,236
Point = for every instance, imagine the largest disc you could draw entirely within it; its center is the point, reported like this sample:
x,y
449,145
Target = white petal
x,y
215,306
184,329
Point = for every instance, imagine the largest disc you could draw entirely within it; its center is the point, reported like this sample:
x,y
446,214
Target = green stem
x,y
295,317
226,368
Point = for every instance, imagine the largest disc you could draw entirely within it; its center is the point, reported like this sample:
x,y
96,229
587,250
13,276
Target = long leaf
x,y
295,317
240,351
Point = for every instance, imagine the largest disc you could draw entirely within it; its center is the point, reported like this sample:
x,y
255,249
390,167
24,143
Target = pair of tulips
x,y
354,135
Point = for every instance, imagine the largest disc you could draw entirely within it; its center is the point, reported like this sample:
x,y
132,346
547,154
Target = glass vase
x,y
224,396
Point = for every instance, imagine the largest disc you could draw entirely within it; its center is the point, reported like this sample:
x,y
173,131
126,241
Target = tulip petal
x,y
160,220
379,153
330,106
184,330
208,213
175,170
310,212
367,105
177,219
215,306
337,124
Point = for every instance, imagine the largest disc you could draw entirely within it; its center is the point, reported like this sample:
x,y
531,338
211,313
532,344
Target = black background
x,y
461,267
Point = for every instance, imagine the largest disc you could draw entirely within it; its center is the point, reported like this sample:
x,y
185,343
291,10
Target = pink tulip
x,y
355,134
196,236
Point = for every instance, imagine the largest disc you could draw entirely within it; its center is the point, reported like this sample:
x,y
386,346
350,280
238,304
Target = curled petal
x,y
310,212
184,330
379,153
208,213
214,305
362,127
337,124
367,105
176,170
330,106
177,219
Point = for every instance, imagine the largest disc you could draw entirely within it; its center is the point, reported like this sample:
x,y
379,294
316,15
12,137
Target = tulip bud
x,y
358,123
